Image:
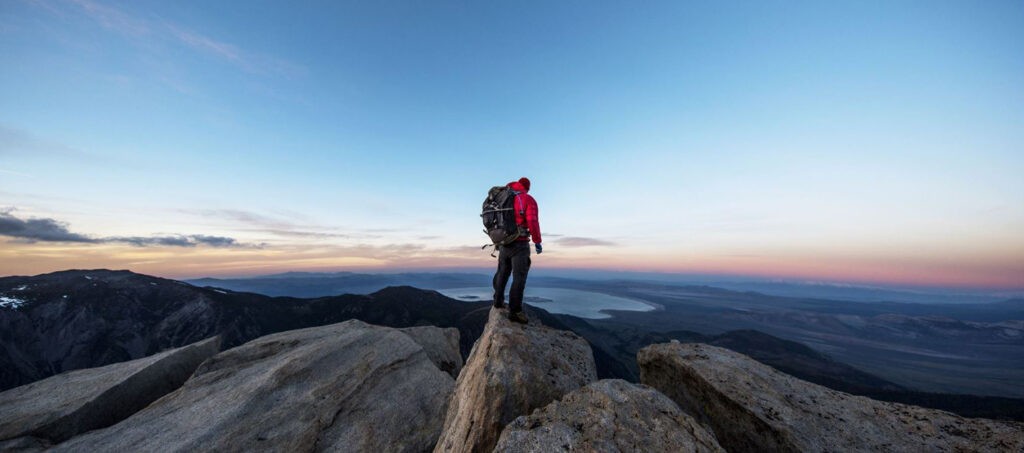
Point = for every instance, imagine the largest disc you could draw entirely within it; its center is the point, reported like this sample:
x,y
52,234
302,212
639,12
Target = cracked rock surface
x,y
610,415
512,370
753,407
349,386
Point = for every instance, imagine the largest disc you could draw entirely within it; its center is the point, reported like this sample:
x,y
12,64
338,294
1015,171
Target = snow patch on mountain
x,y
11,302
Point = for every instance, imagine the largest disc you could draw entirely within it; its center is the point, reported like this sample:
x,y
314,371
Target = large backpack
x,y
499,217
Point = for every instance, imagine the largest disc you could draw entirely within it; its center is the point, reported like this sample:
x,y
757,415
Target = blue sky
x,y
848,141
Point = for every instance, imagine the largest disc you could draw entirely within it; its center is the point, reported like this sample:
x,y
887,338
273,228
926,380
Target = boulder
x,y
441,345
512,369
349,386
610,415
753,407
59,407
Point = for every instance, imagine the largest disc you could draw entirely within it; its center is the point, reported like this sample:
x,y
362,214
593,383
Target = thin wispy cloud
x,y
33,230
250,62
575,241
133,26
315,234
15,141
256,222
112,18
208,45
246,217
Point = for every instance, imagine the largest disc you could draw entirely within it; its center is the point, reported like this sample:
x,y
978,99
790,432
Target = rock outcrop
x,y
608,416
752,407
441,345
349,386
511,370
61,406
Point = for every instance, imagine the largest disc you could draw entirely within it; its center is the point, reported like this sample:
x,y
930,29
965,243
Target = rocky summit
x,y
753,407
512,370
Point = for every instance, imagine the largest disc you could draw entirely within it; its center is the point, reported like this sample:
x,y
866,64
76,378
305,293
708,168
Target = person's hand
x,y
539,248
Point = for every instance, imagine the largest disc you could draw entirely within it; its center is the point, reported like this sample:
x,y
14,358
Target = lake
x,y
584,304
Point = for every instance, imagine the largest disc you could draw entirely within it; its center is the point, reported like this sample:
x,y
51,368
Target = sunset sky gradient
x,y
862,142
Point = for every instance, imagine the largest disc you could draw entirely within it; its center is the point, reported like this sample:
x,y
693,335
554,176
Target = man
x,y
514,258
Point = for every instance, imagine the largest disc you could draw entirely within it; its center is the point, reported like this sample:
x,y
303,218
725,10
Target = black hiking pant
x,y
514,260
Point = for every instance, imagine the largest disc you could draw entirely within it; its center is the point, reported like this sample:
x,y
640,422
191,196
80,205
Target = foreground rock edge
x,y
349,385
61,406
753,407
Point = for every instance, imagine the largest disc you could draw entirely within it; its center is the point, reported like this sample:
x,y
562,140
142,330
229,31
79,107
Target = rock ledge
x,y
753,407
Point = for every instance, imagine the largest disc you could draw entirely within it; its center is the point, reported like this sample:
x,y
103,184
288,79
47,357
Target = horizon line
x,y
636,274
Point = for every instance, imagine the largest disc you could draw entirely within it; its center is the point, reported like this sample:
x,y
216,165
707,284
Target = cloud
x,y
238,215
32,230
50,230
284,228
18,141
573,241
176,241
133,26
232,54
214,241
316,234
208,45
113,18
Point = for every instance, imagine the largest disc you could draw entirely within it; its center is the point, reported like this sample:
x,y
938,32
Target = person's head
x,y
525,182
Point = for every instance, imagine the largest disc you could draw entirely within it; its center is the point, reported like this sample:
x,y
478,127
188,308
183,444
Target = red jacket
x,y
526,212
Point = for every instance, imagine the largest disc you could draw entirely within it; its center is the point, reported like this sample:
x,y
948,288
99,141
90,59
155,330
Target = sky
x,y
860,142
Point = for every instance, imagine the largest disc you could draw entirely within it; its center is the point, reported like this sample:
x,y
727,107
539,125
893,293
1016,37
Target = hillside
x,y
86,318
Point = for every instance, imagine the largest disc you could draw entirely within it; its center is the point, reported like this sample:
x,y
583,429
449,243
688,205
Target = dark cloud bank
x,y
50,230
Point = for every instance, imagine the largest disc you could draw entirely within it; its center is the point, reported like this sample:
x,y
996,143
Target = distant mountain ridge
x,y
330,283
87,318
314,284
820,290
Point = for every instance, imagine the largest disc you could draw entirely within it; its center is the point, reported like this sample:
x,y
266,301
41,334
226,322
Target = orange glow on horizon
x,y
31,259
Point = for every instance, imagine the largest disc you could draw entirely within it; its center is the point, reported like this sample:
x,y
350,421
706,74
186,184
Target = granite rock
x,y
512,369
753,407
609,415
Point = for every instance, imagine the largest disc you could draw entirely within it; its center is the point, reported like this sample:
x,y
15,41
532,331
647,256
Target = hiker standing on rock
x,y
514,257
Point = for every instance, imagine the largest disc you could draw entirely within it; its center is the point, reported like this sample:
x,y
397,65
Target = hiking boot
x,y
518,317
499,304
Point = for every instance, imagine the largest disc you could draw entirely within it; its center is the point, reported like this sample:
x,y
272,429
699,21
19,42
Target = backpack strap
x,y
492,251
